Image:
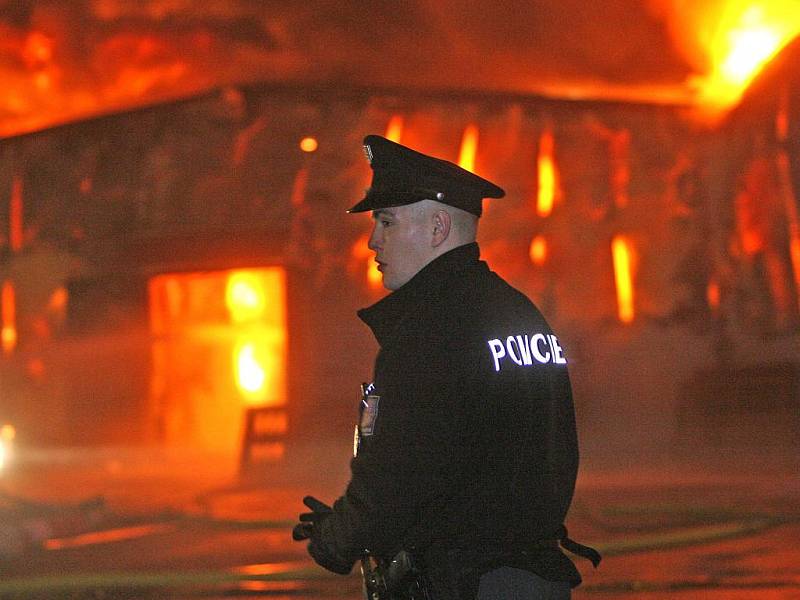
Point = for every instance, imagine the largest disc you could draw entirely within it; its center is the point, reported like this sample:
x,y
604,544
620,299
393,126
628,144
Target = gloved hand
x,y
308,528
326,559
308,521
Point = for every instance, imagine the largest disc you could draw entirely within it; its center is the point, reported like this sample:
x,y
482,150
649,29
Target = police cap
x,y
402,176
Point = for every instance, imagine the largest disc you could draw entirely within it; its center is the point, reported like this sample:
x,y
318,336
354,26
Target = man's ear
x,y
441,227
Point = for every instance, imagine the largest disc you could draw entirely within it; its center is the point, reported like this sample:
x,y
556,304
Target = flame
x,y
245,296
469,148
744,37
548,175
538,250
621,251
394,130
713,295
133,58
8,301
246,299
250,368
216,335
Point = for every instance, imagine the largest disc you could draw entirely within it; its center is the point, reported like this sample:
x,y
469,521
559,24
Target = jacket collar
x,y
386,316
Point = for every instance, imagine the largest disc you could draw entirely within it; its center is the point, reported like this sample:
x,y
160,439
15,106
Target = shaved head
x,y
463,224
406,238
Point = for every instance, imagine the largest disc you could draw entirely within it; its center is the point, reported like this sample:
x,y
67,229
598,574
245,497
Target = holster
x,y
401,578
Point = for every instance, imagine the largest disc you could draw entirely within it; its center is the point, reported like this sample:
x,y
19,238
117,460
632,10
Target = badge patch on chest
x,y
369,414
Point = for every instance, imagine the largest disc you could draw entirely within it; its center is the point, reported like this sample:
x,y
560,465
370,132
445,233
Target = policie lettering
x,y
523,350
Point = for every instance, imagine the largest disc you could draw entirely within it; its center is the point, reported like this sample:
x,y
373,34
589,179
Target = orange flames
x,y
258,356
623,275
469,148
233,323
394,130
9,316
548,175
730,42
50,79
250,366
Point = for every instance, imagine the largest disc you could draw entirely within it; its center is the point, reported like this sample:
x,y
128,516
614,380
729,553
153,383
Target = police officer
x,y
468,452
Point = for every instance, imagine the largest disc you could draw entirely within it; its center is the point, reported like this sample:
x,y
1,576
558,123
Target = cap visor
x,y
375,200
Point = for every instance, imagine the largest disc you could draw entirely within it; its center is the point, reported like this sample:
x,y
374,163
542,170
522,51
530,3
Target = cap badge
x,y
368,153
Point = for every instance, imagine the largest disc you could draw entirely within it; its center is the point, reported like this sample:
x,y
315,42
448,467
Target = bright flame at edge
x,y
469,148
547,175
749,34
623,276
244,296
394,130
251,375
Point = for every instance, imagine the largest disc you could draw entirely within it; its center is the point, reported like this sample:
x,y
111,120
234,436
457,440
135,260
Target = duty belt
x,y
574,547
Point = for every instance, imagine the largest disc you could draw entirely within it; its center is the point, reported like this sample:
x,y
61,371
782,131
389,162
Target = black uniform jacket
x,y
471,442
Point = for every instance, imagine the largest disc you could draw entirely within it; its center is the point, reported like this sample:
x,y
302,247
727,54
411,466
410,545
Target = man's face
x,y
401,239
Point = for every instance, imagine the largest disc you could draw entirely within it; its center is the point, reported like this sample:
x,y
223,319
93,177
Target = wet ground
x,y
147,523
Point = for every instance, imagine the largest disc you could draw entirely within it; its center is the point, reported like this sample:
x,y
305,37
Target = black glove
x,y
308,521
323,556
309,527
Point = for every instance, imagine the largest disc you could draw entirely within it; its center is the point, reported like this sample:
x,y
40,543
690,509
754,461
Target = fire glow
x,y
251,372
248,296
548,176
364,256
9,309
244,297
623,276
469,148
50,80
233,323
538,250
747,35
394,130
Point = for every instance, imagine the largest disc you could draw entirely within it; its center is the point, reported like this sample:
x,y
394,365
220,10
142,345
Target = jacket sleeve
x,y
405,467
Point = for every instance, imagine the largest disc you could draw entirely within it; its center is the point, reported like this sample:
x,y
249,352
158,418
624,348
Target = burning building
x,y
175,250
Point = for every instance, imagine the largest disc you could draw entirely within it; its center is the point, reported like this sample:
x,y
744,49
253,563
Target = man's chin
x,y
390,284
394,281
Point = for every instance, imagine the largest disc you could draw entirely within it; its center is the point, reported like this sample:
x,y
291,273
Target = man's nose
x,y
374,242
